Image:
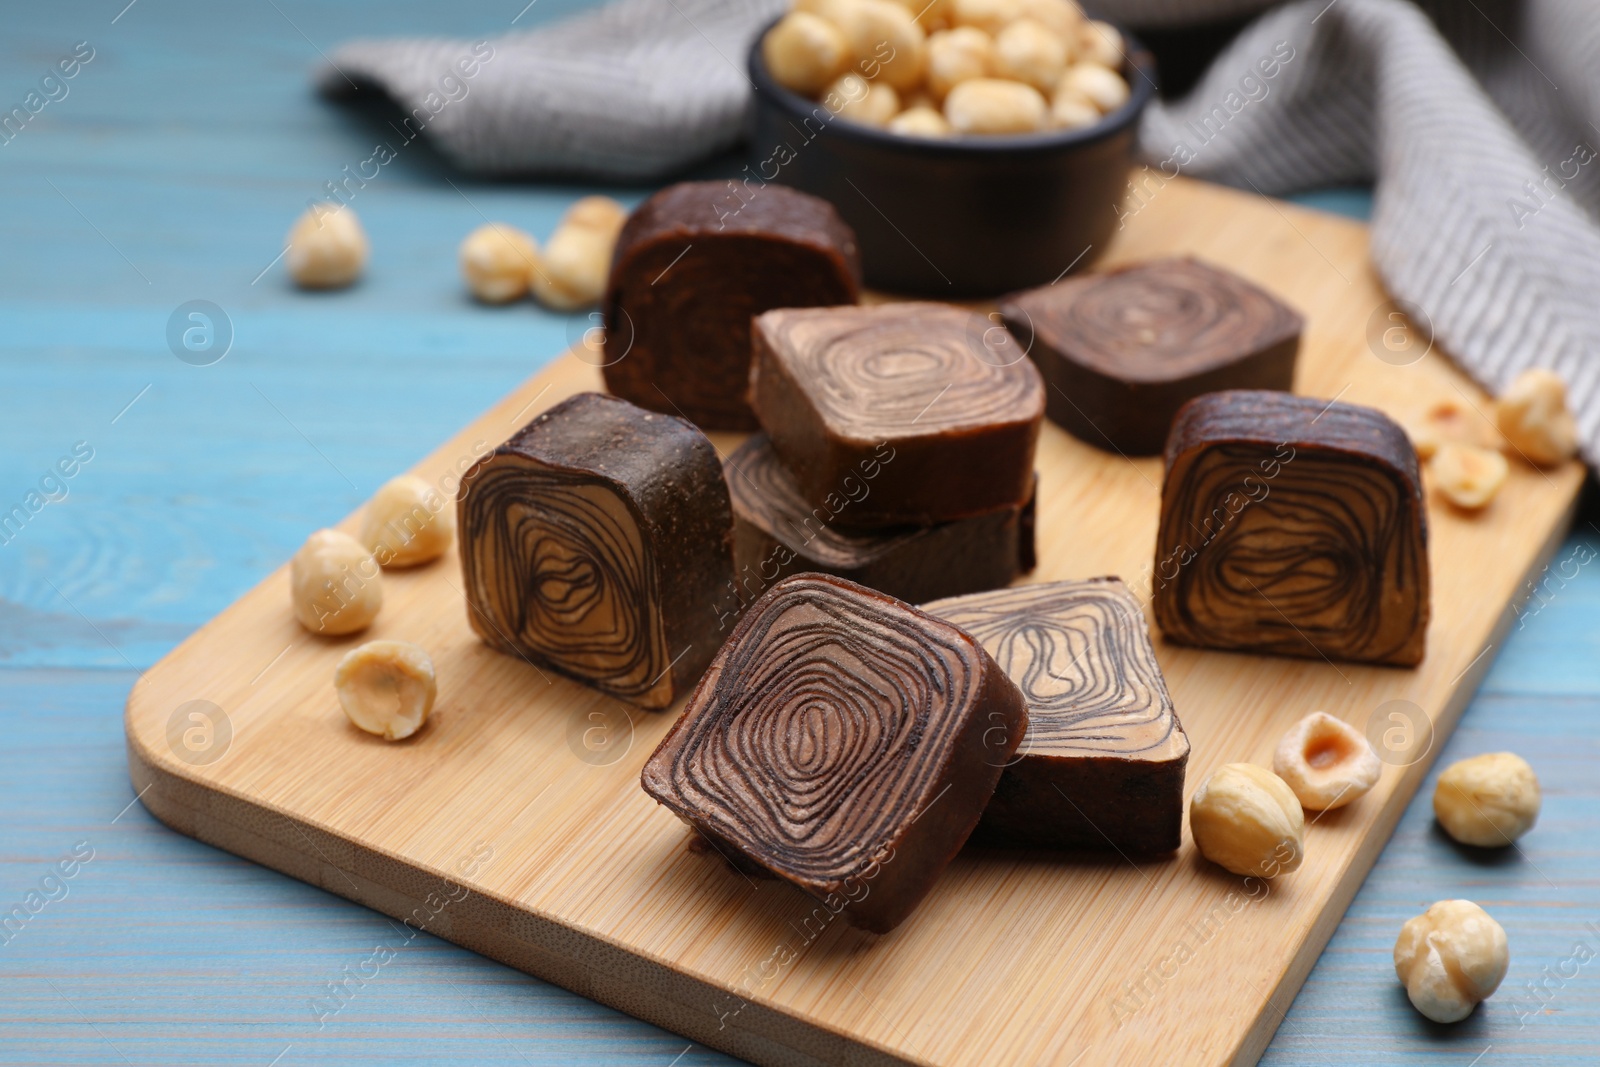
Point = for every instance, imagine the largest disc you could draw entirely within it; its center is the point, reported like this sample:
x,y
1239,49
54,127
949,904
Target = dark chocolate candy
x,y
927,392
596,541
1123,351
1101,766
1293,526
692,265
776,533
843,741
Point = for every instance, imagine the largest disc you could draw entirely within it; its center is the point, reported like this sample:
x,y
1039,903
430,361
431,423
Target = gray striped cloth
x,y
1475,118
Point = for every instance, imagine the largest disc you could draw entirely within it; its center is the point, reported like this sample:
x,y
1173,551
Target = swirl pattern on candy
x,y
1292,526
692,265
830,722
1123,351
592,541
957,409
1103,761
776,533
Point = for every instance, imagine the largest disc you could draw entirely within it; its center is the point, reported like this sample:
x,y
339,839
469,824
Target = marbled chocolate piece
x,y
928,391
776,533
1123,351
595,542
1101,766
843,741
1293,526
692,265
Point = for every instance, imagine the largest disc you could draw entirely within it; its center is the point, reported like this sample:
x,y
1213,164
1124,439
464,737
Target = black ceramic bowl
x,y
964,217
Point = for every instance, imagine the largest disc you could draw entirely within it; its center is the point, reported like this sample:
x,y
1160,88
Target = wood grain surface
x,y
1014,958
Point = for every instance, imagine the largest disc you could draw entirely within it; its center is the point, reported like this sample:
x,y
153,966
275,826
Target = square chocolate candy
x,y
933,394
692,265
1124,350
1292,526
1101,766
596,541
844,742
776,533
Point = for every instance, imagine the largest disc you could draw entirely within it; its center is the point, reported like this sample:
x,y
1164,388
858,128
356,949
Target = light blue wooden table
x,y
169,172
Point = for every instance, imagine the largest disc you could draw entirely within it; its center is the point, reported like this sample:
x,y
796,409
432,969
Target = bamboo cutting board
x,y
514,823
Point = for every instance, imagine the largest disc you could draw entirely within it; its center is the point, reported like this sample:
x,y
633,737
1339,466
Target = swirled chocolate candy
x,y
1292,526
595,541
927,392
1101,766
1123,351
776,533
843,741
692,265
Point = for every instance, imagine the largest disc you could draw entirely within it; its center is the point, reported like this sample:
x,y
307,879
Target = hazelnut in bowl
x,y
975,146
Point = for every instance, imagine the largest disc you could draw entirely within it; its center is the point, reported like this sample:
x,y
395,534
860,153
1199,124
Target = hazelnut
x,y
887,43
577,258
858,100
989,105
920,122
1533,416
1466,475
407,522
805,52
1449,420
327,248
929,14
334,584
990,16
1072,112
1026,51
1061,17
1248,821
958,55
386,688
497,261
1488,801
1325,762
1450,957
1100,86
1099,42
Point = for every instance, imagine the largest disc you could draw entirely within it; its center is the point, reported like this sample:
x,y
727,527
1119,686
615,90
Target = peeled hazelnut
x,y
887,43
1101,86
805,52
327,248
1072,112
1026,51
1533,416
990,16
1467,476
1061,17
1449,420
929,14
1248,821
989,105
577,258
1099,42
386,688
334,584
958,55
1489,800
1450,957
407,522
1325,762
920,122
497,260
858,100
